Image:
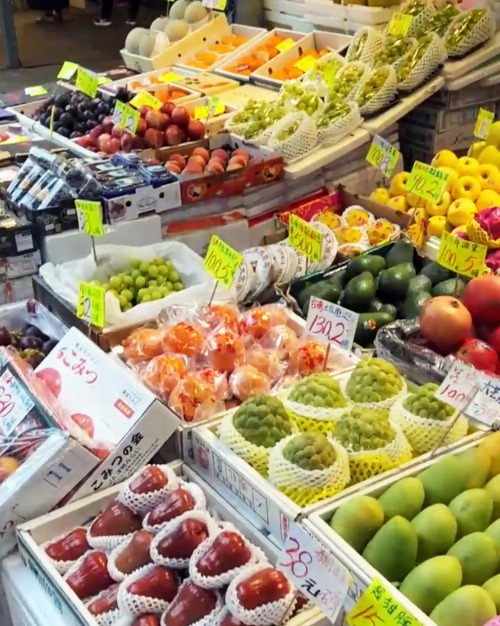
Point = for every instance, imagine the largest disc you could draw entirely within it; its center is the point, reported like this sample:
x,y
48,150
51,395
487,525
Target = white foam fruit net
x,y
337,121
377,90
356,215
61,566
421,11
469,30
208,620
325,71
221,580
201,516
200,505
414,68
366,43
295,136
382,404
310,418
277,612
308,487
144,502
106,542
108,619
135,605
426,434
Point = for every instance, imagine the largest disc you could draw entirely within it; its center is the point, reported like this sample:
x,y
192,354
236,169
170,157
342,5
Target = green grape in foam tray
x,y
318,390
364,429
310,452
263,421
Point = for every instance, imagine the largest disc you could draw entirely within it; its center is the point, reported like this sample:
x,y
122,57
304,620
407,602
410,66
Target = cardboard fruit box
x,y
263,168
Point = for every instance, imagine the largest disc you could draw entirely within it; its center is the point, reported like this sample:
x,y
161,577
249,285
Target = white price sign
x,y
315,571
459,386
15,403
331,322
485,404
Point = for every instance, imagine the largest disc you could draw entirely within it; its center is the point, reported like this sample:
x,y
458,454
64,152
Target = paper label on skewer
x,y
459,386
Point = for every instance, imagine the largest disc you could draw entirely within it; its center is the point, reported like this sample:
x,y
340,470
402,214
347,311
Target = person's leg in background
x,y
106,11
133,9
54,12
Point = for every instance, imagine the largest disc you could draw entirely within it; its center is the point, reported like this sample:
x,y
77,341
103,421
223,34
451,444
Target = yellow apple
x,y
380,195
398,203
398,182
467,166
461,212
415,201
490,156
466,187
441,207
445,158
487,199
436,225
452,176
476,149
489,177
493,138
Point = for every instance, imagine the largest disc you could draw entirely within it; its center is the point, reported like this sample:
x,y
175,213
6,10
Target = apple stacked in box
x,y
172,564
204,161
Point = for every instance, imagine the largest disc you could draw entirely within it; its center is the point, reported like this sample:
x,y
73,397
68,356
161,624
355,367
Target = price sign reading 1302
x,y
331,322
464,257
222,261
305,238
427,182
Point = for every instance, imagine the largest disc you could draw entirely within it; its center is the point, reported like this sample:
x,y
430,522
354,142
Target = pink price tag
x,y
331,323
315,571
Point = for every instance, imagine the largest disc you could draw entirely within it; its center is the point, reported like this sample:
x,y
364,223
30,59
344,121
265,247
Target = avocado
x,y
365,263
420,283
401,252
437,273
368,325
324,290
410,268
413,304
376,305
359,293
394,282
390,309
338,278
451,287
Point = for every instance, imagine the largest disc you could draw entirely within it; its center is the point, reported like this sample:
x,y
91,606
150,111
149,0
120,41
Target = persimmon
x,y
143,344
184,338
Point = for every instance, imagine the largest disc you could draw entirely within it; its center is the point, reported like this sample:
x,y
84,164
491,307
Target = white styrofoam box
x,y
283,20
362,573
73,244
32,534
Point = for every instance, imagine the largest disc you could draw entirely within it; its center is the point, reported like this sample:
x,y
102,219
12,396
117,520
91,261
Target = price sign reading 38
x,y
331,322
305,238
464,257
427,182
222,261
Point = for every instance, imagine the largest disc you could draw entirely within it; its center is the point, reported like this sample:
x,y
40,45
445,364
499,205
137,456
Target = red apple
x,y
70,547
182,541
191,604
138,142
174,135
177,502
91,576
152,478
266,586
112,146
116,519
106,601
96,132
146,620
135,554
168,107
196,130
180,117
156,119
102,142
141,127
107,124
153,138
159,582
116,131
228,551
144,110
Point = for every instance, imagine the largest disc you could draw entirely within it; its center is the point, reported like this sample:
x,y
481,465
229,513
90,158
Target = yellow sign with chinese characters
x,y
144,98
483,123
306,63
461,256
305,238
377,606
383,156
86,82
222,261
91,304
67,70
400,24
285,45
89,217
427,182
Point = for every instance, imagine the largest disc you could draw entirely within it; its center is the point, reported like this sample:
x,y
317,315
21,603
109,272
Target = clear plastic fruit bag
x,y
296,96
338,120
416,67
365,45
295,136
468,31
377,90
324,73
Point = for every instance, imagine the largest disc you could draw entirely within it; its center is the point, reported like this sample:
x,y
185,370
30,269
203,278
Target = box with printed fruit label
x,y
162,549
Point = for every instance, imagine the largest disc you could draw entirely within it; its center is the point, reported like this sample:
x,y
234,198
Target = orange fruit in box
x,y
290,72
227,44
256,57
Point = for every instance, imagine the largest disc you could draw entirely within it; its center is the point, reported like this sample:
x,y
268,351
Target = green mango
x,y
479,558
468,606
404,498
443,481
472,510
492,588
436,529
357,521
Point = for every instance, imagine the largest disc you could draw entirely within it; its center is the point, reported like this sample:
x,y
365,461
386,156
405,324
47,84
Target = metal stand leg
x,y
8,29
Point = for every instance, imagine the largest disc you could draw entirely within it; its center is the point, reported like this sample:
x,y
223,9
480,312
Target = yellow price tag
x,y
329,72
427,182
285,45
222,261
91,304
306,63
221,5
201,113
67,70
171,77
383,155
460,256
89,217
14,139
86,82
144,98
377,606
400,24
305,238
126,117
417,231
36,91
483,123
103,80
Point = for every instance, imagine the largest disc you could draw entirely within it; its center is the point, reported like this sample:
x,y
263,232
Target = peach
x,y
178,158
214,167
8,465
173,167
203,152
219,152
197,158
238,159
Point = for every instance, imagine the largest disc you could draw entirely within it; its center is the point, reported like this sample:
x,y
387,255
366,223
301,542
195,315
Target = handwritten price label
x,y
306,63
222,261
305,238
214,107
383,156
144,98
400,24
285,45
38,90
377,606
483,123
86,82
331,322
427,182
459,386
315,571
464,257
89,217
90,307
67,70
15,403
485,404
126,117
172,77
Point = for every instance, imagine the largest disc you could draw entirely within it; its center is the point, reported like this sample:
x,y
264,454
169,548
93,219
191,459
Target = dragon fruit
x,y
493,261
485,226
